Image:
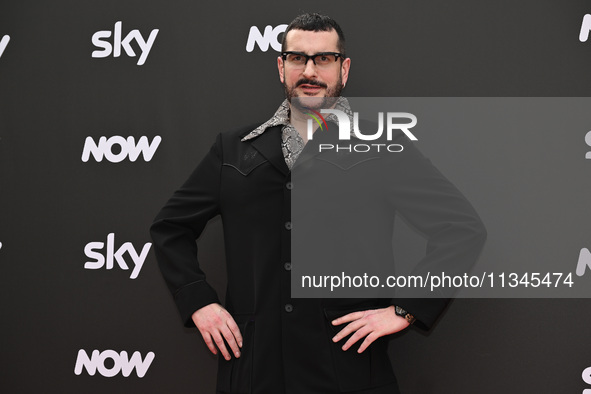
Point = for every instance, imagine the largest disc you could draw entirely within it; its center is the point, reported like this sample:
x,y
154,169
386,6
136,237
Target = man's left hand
x,y
371,324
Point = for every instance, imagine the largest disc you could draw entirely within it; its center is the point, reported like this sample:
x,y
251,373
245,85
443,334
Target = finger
x,y
231,340
209,342
362,332
235,330
219,341
347,318
368,341
348,329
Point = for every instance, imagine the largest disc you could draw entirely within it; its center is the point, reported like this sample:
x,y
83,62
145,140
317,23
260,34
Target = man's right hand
x,y
215,324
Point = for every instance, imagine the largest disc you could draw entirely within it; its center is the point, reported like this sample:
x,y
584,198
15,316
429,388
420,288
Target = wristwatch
x,y
401,312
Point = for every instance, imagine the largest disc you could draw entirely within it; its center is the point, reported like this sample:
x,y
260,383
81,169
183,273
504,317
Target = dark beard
x,y
328,101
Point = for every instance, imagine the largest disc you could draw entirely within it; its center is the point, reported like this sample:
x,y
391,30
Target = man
x,y
270,342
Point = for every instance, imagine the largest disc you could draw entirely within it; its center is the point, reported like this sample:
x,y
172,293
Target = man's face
x,y
310,82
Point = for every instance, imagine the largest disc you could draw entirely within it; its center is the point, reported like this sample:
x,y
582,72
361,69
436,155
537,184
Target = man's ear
x,y
345,70
281,69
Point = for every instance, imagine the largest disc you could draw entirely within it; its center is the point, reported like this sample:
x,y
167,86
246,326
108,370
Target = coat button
x,y
288,225
289,185
287,266
288,308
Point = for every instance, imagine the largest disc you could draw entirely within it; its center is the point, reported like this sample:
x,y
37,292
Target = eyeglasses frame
x,y
337,55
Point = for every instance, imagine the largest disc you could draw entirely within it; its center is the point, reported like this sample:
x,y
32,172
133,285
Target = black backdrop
x,y
197,80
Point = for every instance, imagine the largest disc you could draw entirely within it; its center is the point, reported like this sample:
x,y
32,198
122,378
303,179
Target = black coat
x,y
287,341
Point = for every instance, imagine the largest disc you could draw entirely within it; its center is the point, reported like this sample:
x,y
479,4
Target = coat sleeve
x,y
176,228
455,234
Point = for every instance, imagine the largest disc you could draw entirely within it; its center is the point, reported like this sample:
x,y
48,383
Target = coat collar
x,y
281,117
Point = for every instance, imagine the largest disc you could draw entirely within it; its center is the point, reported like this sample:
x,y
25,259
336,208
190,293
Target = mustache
x,y
306,81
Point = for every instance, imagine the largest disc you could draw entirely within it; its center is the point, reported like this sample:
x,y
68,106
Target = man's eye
x,y
296,58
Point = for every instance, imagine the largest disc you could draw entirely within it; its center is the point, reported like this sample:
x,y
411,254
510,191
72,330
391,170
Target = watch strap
x,y
403,313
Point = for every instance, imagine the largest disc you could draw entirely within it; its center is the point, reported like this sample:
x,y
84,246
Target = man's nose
x,y
309,69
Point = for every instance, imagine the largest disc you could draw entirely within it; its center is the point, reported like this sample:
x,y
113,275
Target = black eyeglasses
x,y
322,59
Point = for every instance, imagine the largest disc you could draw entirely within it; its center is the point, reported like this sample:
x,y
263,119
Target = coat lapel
x,y
269,145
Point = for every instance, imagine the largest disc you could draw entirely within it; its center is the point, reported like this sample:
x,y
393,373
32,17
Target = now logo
x,y
4,43
584,262
121,363
111,255
585,28
99,40
587,379
127,147
269,37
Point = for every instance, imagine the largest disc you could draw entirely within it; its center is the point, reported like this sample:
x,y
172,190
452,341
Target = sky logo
x,y
99,39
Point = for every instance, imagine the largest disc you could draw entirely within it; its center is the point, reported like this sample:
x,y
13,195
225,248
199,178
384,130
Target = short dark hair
x,y
315,22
